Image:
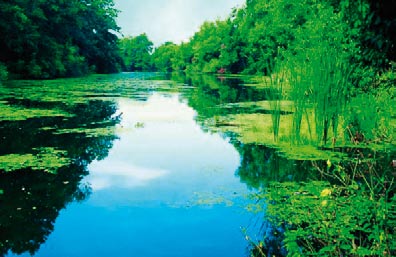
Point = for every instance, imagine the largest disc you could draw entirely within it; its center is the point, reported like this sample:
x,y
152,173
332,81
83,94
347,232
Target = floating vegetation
x,y
267,105
11,113
139,125
81,90
87,106
258,128
297,124
88,132
46,159
211,199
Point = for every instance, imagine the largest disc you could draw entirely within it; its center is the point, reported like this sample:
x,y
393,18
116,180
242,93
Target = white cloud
x,y
170,20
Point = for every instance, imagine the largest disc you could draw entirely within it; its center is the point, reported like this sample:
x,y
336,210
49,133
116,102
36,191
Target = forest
x,y
262,33
51,39
58,38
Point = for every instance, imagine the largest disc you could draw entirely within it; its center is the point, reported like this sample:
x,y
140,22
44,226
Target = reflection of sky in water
x,y
162,156
149,194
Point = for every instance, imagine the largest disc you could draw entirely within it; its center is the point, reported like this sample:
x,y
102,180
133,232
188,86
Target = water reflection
x,y
166,188
31,198
158,184
213,95
261,164
31,203
163,155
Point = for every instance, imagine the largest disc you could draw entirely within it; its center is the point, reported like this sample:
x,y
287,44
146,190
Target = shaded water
x,y
139,165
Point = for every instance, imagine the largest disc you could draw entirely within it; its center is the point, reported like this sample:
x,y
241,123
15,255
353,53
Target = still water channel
x,y
139,164
143,175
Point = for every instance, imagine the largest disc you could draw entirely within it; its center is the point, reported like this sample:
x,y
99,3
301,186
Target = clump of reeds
x,y
275,96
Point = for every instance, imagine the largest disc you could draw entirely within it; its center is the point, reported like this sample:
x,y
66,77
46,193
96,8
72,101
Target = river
x,y
141,164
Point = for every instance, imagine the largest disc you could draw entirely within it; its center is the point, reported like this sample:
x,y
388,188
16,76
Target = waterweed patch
x,y
321,219
211,199
72,91
258,129
88,132
11,113
47,159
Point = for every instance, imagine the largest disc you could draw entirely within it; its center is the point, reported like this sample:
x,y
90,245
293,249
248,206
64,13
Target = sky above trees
x,y
170,20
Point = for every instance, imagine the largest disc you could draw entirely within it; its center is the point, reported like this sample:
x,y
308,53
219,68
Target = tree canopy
x,y
47,39
253,38
135,52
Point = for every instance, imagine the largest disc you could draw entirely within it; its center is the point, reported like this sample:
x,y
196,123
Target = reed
x,y
275,94
319,83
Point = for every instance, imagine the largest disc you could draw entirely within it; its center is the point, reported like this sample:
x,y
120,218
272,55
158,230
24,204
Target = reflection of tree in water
x,y
31,199
212,93
272,244
31,203
261,164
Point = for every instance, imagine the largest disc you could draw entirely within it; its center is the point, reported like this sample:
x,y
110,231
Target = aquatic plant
x,y
350,212
47,159
276,96
15,113
318,78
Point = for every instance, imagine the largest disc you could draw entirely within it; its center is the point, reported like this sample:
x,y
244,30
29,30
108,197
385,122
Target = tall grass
x,y
276,83
330,93
318,84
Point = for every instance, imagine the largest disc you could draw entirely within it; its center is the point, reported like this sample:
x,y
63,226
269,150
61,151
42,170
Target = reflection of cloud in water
x,y
121,174
157,109
166,158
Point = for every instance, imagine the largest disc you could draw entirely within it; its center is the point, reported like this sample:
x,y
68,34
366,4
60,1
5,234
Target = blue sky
x,y
170,20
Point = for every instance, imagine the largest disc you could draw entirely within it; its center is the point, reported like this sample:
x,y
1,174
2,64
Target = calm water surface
x,y
138,165
165,188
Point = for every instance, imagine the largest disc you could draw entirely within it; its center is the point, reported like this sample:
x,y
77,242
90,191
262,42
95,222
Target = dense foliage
x,y
253,38
47,39
135,52
354,215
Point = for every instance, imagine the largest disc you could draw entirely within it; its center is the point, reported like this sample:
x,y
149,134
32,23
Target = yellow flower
x,y
325,192
323,203
328,163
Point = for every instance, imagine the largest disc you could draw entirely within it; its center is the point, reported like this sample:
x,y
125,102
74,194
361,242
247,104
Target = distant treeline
x,y
253,37
58,38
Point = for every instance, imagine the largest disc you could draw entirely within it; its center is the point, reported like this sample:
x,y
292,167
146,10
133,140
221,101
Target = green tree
x,y
47,39
183,57
262,32
207,44
163,57
136,53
